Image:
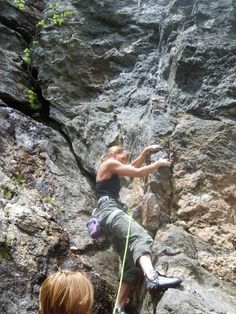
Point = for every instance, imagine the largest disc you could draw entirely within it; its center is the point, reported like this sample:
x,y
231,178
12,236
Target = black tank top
x,y
109,187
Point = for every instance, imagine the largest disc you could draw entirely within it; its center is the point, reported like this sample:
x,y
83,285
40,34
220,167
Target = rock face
x,y
78,77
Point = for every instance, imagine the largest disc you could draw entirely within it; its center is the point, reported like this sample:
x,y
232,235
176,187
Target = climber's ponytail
x,y
111,151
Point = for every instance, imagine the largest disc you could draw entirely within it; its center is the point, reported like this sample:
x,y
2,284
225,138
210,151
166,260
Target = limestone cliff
x,y
80,76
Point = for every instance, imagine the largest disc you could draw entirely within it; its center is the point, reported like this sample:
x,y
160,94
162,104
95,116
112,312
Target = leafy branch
x,y
56,16
33,99
27,55
21,4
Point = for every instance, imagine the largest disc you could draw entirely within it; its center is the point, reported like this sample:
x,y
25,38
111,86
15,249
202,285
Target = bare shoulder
x,y
106,169
111,162
110,165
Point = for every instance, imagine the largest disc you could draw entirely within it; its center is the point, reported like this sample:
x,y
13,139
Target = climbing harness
x,y
124,258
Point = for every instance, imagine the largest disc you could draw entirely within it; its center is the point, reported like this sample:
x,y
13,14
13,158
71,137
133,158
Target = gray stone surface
x,y
132,73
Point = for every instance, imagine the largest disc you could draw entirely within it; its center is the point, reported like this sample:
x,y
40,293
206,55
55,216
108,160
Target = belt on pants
x,y
107,198
103,199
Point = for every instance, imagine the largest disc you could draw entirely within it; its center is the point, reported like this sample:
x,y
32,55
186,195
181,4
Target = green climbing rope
x,y
124,258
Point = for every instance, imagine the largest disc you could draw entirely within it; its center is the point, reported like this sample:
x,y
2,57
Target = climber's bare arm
x,y
143,156
113,166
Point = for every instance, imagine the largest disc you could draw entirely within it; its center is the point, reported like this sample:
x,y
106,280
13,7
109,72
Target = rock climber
x,y
114,221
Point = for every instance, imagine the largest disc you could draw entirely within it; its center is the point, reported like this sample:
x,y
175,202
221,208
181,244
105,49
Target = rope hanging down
x,y
124,258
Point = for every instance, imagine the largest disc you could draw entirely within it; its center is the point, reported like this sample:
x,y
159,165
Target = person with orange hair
x,y
115,222
66,292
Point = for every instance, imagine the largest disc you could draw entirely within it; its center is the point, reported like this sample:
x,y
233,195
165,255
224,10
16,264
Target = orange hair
x,y
111,151
66,292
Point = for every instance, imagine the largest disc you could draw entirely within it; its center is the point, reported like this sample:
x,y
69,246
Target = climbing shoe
x,y
161,282
120,310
